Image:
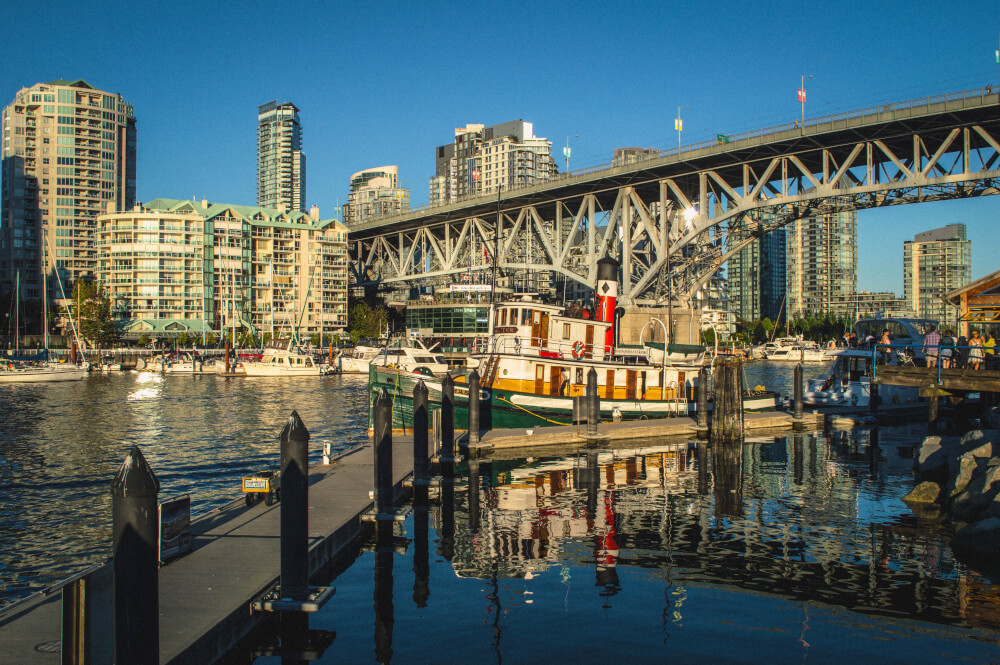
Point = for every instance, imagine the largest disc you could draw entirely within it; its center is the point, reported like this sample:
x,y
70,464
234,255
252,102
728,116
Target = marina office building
x,y
188,267
69,149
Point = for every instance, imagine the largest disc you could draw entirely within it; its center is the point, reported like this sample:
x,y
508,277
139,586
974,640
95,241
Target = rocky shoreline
x,y
959,479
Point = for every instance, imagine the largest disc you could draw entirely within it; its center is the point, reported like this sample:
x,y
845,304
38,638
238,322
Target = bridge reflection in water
x,y
797,543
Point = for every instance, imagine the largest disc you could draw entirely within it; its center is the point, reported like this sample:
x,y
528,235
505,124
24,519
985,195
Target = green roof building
x,y
234,268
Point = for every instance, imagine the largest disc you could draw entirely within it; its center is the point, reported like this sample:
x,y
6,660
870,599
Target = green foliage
x,y
99,323
144,340
367,321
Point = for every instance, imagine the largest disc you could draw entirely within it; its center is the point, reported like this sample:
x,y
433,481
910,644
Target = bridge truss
x,y
674,220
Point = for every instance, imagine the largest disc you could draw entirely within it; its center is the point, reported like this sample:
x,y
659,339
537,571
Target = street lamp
x,y
566,151
802,99
679,125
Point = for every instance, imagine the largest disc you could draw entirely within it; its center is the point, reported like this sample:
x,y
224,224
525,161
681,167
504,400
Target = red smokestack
x,y
606,295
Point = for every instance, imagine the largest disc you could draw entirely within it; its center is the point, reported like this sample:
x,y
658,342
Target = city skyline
x,y
572,86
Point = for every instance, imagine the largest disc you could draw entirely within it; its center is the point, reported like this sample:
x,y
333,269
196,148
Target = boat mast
x,y
45,302
17,313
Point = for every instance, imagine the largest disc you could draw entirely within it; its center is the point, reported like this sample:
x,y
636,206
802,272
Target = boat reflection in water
x,y
790,549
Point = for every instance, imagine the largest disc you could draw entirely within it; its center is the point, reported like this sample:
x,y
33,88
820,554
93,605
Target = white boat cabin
x,y
527,327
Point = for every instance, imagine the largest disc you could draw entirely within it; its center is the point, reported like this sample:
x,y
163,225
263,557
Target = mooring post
x,y
473,439
797,412
75,620
702,408
383,453
294,509
448,418
593,402
135,520
421,461
727,412
227,357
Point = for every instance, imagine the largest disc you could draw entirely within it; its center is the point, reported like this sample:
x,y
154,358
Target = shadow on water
x,y
789,549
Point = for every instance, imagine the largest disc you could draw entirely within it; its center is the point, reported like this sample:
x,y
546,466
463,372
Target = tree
x,y
98,322
366,321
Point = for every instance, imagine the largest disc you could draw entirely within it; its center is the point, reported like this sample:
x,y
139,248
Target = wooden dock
x,y
958,380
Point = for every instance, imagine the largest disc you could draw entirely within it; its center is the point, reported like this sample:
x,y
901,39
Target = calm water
x,y
796,550
61,444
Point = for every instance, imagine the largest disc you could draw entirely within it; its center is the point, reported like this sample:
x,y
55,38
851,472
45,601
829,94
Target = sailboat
x,y
39,369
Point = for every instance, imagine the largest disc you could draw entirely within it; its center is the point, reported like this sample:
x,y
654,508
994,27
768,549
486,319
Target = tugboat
x,y
538,358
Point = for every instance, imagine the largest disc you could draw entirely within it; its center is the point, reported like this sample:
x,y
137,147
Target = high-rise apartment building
x,y
482,160
187,265
757,278
821,261
374,194
68,150
934,263
281,164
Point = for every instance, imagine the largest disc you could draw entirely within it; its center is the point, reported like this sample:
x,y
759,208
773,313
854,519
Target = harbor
x,y
234,557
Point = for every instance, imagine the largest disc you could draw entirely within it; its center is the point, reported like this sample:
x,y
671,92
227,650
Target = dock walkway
x,y
205,596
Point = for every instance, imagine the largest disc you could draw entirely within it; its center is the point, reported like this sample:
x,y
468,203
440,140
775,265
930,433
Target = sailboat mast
x,y
45,302
17,314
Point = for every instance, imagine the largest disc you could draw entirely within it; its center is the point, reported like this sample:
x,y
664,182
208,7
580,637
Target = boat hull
x,y
505,409
50,374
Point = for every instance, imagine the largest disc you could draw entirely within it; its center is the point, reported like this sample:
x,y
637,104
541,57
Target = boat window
x,y
566,329
503,317
525,317
579,376
440,360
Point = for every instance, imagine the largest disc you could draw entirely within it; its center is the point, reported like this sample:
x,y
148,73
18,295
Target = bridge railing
x,y
880,112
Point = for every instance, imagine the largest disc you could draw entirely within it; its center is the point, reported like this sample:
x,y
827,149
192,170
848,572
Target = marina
x,y
638,471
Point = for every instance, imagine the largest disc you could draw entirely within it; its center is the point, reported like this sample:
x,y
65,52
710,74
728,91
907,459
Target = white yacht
x,y
281,359
410,355
802,352
43,371
358,360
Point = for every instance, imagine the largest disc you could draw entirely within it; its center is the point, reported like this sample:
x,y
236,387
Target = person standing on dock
x,y
931,342
988,346
947,347
976,351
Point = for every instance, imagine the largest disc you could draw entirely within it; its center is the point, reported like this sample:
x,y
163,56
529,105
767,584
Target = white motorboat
x,y
281,359
410,355
358,360
804,353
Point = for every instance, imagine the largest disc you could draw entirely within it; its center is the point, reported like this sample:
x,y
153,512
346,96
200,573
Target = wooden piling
x,y
727,412
702,413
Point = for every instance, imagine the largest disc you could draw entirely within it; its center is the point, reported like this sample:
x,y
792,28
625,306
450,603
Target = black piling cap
x,y
135,478
473,373
294,429
421,387
383,399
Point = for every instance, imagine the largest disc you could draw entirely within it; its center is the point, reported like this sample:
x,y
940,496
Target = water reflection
x,y
805,516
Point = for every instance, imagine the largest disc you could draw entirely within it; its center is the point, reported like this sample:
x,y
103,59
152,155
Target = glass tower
x,y
281,164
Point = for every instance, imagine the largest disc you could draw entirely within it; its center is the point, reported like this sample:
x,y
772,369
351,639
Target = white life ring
x,y
577,350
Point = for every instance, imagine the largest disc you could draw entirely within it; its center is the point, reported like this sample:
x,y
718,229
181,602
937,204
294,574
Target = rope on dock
x,y
554,422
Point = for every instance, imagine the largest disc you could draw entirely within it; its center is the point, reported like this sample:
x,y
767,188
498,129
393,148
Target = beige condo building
x,y
188,267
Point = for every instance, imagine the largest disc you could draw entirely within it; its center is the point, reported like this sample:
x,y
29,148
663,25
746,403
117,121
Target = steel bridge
x,y
674,219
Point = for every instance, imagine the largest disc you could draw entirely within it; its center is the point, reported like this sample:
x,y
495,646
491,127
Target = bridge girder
x,y
673,228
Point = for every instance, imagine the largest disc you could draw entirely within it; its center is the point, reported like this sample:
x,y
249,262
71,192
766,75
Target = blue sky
x,y
384,83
